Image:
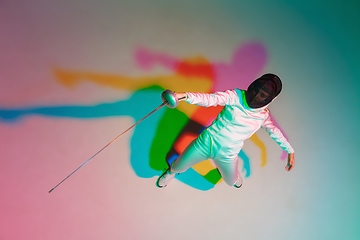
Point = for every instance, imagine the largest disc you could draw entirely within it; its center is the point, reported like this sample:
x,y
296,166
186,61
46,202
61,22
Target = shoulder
x,y
266,114
239,92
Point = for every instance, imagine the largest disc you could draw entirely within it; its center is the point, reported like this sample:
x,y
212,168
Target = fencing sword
x,y
169,99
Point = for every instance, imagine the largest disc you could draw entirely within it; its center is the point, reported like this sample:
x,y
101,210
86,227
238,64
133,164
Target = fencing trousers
x,y
203,148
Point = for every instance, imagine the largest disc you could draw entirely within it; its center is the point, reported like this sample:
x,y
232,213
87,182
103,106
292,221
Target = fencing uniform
x,y
243,114
224,138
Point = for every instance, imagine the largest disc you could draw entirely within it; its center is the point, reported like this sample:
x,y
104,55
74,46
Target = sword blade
x,y
108,145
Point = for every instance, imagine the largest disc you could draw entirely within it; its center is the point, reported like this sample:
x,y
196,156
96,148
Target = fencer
x,y
244,113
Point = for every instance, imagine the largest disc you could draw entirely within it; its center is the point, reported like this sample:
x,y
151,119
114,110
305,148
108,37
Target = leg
x,y
194,153
228,169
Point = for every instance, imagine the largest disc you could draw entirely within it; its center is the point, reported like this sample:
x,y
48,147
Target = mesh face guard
x,y
263,90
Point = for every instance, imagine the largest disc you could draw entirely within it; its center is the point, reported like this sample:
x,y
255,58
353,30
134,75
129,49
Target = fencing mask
x,y
263,90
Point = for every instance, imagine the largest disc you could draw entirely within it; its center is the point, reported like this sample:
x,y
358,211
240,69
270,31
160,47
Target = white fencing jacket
x,y
236,122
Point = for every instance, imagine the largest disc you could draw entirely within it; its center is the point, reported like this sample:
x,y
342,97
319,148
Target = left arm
x,y
291,162
279,138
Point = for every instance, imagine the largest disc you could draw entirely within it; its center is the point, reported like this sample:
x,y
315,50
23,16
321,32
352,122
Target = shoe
x,y
165,178
238,182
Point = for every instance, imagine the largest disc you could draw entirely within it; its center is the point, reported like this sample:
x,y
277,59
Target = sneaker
x,y
238,182
165,178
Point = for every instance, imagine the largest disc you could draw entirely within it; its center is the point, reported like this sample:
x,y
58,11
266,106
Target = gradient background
x,y
312,45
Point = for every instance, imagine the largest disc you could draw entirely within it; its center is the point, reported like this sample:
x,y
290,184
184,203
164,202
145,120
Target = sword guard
x,y
169,98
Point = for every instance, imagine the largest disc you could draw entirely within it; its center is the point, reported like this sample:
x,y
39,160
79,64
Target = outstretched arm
x,y
181,96
228,97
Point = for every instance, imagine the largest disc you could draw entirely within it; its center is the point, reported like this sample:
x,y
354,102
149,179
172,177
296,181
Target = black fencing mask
x,y
263,90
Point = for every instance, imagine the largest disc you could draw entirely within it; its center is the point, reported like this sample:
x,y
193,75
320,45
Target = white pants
x,y
201,149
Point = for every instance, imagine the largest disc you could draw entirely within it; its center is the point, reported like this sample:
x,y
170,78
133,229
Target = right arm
x,y
229,97
181,96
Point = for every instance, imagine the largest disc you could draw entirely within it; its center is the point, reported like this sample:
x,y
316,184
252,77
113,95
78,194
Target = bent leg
x,y
194,153
228,169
